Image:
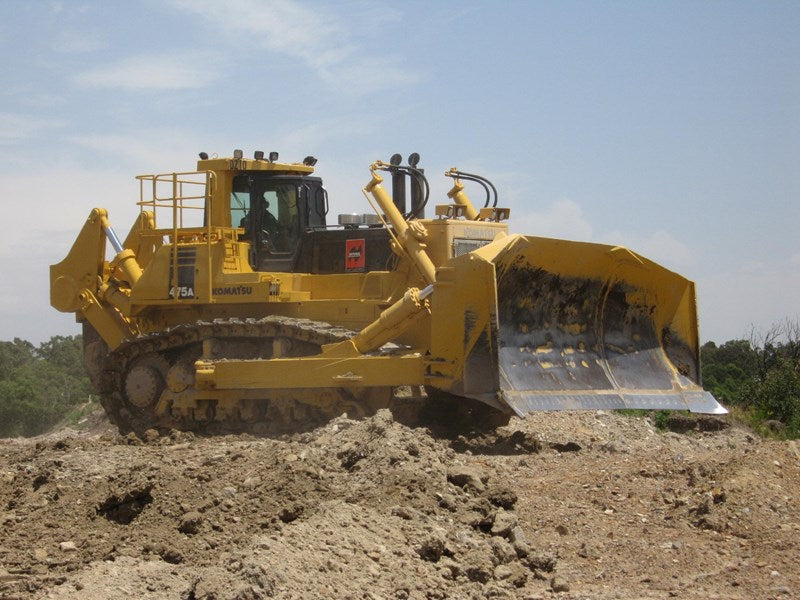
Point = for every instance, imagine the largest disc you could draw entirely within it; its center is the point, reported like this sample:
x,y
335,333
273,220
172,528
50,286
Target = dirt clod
x,y
432,548
190,523
502,496
466,477
503,523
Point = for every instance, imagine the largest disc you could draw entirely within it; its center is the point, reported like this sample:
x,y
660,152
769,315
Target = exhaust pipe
x,y
419,186
398,184
417,193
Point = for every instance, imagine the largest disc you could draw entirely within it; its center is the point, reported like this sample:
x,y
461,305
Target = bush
x,y
759,377
776,396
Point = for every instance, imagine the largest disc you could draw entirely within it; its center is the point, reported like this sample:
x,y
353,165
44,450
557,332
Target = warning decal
x,y
354,258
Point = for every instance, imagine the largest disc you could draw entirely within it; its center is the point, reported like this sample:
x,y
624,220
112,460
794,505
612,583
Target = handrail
x,y
176,193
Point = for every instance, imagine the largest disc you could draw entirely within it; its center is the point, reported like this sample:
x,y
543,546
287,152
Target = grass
x,y
745,416
80,411
660,417
751,418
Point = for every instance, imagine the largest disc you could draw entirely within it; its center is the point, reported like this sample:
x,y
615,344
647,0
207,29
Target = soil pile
x,y
579,505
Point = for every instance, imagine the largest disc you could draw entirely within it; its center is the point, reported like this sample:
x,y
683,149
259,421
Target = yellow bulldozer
x,y
233,304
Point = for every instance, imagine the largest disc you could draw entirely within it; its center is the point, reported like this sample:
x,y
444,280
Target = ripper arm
x,y
82,283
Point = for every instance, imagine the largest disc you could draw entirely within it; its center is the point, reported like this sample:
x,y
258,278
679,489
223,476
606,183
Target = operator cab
x,y
275,211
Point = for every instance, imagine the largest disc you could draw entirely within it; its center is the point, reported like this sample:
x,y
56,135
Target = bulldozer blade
x,y
590,326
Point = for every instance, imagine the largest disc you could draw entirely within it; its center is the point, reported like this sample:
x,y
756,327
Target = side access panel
x,y
325,252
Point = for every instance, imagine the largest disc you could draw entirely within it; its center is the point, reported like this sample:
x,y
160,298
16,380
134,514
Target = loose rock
x,y
559,584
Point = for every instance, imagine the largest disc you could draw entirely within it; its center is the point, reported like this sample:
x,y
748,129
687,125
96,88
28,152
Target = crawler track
x,y
164,361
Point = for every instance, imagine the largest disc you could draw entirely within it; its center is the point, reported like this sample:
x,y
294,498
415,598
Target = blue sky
x,y
672,128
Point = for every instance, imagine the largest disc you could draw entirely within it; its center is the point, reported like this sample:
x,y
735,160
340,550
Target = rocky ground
x,y
560,505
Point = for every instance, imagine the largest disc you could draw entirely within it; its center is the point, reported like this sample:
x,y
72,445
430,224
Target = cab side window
x,y
240,204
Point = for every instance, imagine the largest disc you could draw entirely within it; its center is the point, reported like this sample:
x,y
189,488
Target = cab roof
x,y
251,164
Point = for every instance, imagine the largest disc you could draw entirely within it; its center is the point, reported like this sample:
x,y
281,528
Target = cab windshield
x,y
268,212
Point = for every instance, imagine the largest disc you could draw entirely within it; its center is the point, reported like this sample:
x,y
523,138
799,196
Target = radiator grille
x,y
463,246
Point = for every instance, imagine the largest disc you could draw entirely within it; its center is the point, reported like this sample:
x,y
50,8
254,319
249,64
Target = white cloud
x,y
166,150
63,195
152,72
564,218
76,42
56,7
367,74
658,246
15,128
315,36
53,202
749,294
158,150
282,25
25,309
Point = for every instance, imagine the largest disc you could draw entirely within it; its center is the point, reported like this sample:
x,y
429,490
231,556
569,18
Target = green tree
x,y
14,354
39,386
64,352
728,367
776,395
760,376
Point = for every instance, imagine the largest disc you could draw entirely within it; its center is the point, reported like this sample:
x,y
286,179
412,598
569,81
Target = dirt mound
x,y
582,505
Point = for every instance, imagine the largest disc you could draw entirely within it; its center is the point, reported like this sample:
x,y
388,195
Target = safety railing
x,y
181,208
